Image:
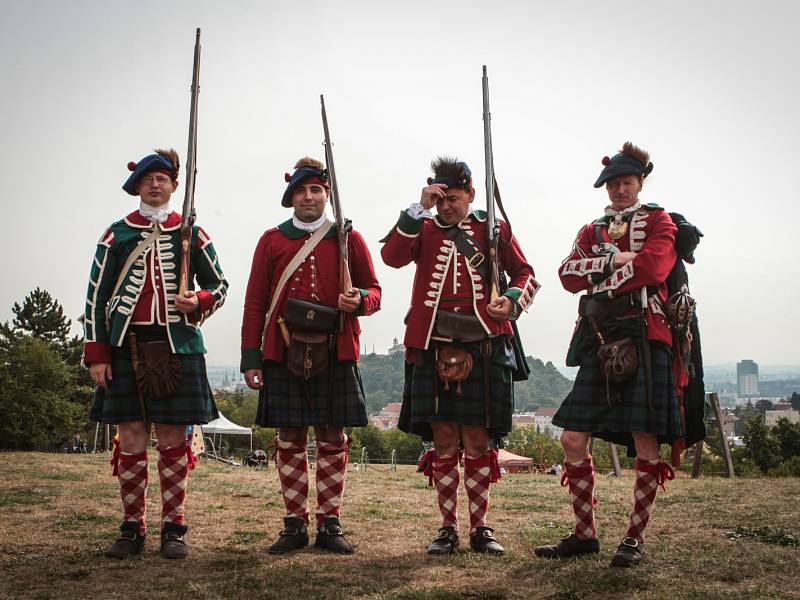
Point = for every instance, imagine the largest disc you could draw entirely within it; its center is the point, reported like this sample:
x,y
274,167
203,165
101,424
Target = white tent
x,y
223,426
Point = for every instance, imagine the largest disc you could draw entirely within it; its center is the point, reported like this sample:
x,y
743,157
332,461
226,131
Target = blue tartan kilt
x,y
192,403
468,407
611,412
335,398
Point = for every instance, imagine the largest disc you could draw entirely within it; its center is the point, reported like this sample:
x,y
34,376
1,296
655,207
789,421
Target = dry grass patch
x,y
710,538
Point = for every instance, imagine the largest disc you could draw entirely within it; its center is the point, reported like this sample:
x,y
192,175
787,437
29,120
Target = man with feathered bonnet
x,y
300,349
460,363
135,315
625,390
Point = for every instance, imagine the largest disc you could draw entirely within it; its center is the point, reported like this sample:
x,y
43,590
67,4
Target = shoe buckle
x,y
443,534
290,531
173,535
630,542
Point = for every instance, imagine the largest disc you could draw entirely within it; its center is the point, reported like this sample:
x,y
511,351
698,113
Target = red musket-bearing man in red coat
x,y
305,369
457,337
622,262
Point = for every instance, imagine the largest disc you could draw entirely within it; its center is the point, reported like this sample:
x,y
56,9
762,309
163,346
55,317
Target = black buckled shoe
x,y
293,536
445,542
331,537
568,546
483,541
172,542
128,544
630,552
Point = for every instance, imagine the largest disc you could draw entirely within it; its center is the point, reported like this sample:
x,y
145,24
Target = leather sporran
x,y
308,354
453,364
618,359
311,326
158,373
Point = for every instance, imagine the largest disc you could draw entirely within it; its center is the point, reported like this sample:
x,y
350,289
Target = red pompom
x,y
430,180
131,166
605,160
287,177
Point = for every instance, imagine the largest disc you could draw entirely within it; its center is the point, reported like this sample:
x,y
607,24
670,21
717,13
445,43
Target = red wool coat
x,y
317,275
651,234
444,279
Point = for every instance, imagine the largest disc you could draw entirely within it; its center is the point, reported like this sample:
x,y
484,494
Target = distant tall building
x,y
747,378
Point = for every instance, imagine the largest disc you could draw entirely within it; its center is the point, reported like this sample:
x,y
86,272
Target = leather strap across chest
x,y
475,255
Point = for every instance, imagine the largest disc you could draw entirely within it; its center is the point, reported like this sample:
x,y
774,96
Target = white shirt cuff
x,y
416,211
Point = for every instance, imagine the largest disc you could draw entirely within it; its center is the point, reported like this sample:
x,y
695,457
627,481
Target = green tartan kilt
x,y
422,383
192,403
612,412
335,399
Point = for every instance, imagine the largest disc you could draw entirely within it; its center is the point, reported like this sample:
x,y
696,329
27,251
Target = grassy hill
x,y
57,513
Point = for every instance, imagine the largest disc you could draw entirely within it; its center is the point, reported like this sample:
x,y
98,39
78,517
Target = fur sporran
x,y
453,364
618,359
158,373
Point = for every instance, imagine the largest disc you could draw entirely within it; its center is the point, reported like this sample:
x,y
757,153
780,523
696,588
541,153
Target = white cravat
x,y
313,226
157,214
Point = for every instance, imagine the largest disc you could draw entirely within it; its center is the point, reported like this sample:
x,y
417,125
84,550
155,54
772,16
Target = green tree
x,y
788,435
42,401
407,445
764,405
763,448
371,438
526,441
42,317
795,401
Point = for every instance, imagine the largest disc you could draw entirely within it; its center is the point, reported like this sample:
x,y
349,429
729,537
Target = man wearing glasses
x,y
144,349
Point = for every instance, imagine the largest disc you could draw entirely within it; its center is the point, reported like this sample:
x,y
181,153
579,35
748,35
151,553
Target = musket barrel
x,y
488,153
188,212
492,230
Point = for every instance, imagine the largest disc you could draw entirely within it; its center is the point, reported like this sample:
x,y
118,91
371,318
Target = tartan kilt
x,y
613,416
337,397
192,403
467,408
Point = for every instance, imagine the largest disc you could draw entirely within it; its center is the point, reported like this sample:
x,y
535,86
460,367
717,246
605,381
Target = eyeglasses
x,y
158,179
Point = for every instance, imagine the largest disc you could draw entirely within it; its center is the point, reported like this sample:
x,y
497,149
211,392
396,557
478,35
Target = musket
x,y
343,226
498,280
188,214
492,225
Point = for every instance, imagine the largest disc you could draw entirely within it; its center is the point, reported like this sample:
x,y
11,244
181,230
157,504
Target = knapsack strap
x,y
298,258
144,245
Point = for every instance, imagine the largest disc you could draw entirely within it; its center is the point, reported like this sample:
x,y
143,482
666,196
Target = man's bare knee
x,y
575,442
293,435
445,437
329,435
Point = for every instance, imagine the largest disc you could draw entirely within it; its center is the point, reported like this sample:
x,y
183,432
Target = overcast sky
x,y
709,88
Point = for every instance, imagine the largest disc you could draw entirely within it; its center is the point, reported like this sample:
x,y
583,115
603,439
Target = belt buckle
x,y
476,260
